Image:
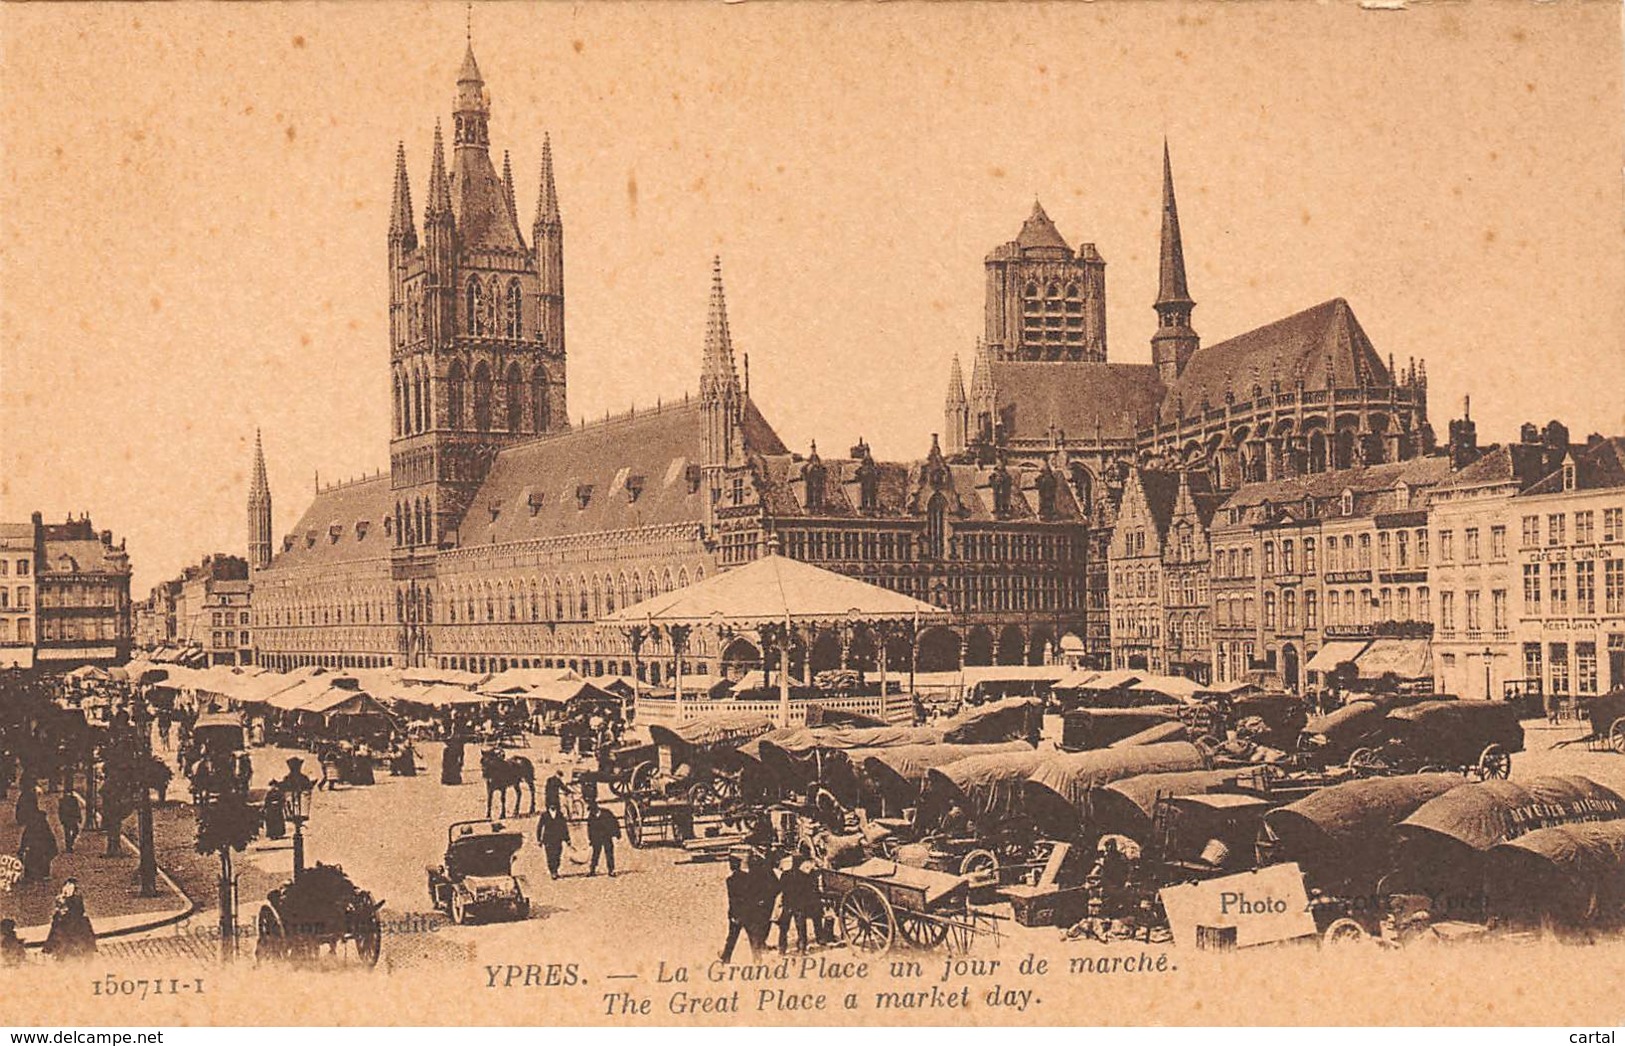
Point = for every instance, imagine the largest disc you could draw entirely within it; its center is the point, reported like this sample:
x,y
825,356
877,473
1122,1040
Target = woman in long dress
x,y
71,934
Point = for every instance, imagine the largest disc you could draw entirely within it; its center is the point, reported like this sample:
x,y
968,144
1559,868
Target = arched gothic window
x,y
515,311
475,307
482,397
454,395
515,397
540,412
936,527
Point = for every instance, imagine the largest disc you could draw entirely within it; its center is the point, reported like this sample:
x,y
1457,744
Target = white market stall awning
x,y
516,681
774,590
1335,653
1404,658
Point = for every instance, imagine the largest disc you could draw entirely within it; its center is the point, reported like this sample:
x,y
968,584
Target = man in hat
x,y
602,831
553,833
71,813
738,886
798,902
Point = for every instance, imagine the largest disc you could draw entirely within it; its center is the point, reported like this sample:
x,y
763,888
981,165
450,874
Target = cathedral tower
x,y
1045,302
1175,342
477,354
259,511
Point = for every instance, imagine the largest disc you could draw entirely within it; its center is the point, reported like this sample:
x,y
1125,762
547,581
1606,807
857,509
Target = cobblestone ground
x,y
386,835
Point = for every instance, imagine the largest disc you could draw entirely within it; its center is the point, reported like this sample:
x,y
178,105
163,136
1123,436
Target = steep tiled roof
x,y
1291,349
1598,467
1074,396
584,480
1161,492
343,524
480,203
1039,231
785,490
1418,473
1517,462
86,556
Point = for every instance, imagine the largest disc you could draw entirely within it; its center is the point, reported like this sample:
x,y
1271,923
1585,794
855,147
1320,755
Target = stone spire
x,y
1171,288
956,410
402,227
718,379
547,196
507,188
1175,342
259,511
473,111
438,206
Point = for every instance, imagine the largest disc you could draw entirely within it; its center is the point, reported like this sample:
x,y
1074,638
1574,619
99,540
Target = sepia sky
x,y
195,199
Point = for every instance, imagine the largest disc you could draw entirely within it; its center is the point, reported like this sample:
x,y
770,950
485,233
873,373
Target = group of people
x,y
755,887
71,935
553,827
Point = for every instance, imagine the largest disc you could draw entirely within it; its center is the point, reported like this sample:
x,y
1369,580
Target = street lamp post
x,y
1489,654
296,789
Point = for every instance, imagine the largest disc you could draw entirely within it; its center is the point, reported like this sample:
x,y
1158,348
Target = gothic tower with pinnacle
x,y
1175,342
259,511
476,318
722,400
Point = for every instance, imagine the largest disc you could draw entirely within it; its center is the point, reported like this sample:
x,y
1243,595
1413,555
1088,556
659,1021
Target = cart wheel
x,y
459,906
1364,761
369,939
921,931
617,787
640,777
982,866
272,942
867,920
704,796
1494,761
1616,735
1344,931
634,823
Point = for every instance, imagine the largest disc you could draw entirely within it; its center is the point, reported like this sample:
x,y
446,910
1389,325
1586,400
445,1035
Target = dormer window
x,y
287,543
496,510
692,475
389,526
334,532
1568,475
361,528
634,487
583,495
534,502
1347,506
310,539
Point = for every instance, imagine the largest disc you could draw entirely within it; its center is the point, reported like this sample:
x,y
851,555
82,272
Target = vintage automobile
x,y
476,879
320,906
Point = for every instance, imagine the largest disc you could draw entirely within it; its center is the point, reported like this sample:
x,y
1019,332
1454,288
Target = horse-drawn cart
x,y
322,906
1473,737
879,904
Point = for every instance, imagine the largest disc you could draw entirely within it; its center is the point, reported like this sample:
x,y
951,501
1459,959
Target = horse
x,y
502,773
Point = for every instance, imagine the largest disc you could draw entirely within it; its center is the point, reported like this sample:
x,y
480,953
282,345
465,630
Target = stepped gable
x,y
630,471
1073,396
1291,350
343,524
1161,495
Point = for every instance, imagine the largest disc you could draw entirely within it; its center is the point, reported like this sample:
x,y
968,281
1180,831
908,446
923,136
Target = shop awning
x,y
1405,658
1335,653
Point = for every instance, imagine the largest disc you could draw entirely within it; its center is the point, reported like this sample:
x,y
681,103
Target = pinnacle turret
x,y
402,227
956,383
718,378
507,188
547,196
438,207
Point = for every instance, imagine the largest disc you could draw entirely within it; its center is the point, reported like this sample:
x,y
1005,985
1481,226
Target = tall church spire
x,y
1175,342
471,131
259,511
721,401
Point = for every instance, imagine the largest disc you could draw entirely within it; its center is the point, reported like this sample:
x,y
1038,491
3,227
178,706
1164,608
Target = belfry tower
x,y
477,356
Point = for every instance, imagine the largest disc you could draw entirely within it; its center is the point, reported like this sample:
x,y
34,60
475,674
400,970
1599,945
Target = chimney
x,y
1555,437
1463,438
1529,433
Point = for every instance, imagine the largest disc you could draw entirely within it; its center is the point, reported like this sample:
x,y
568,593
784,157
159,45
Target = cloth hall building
x,y
501,534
